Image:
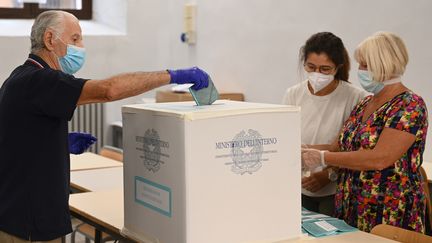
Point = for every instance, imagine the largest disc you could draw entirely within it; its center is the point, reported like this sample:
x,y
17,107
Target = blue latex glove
x,y
80,142
193,75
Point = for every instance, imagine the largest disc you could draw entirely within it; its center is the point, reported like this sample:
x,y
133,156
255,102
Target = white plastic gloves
x,y
312,158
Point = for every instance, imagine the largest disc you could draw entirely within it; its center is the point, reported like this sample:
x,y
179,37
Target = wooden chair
x,y
112,153
428,198
399,234
85,229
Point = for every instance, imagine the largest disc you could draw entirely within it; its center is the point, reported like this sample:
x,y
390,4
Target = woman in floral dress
x,y
380,148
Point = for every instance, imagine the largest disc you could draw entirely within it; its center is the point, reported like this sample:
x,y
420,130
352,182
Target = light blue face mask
x,y
368,84
73,60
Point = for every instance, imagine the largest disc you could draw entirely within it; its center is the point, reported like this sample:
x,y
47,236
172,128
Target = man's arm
x,y
122,86
130,84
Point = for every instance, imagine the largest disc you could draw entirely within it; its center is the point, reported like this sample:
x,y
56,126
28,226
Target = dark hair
x,y
333,47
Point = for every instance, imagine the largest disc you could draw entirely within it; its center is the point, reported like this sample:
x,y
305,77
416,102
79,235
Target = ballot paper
x,y
205,96
312,216
181,88
319,225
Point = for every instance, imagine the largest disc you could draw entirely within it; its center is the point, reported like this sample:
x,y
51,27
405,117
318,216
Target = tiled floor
x,y
79,238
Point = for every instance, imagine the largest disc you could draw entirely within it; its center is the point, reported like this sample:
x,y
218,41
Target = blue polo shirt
x,y
36,103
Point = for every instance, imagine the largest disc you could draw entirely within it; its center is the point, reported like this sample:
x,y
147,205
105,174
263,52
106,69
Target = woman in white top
x,y
326,99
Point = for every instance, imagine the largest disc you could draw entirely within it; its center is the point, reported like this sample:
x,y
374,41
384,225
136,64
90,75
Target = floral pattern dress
x,y
393,195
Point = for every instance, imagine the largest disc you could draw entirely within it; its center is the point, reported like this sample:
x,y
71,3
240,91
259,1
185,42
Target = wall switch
x,y
189,24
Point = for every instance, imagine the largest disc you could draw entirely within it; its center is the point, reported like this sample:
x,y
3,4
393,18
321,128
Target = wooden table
x,y
351,237
102,203
104,178
89,161
103,210
97,179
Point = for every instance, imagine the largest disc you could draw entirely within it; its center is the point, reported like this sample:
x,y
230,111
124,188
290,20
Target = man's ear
x,y
48,39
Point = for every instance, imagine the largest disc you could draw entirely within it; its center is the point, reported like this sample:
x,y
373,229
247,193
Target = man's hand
x,y
79,142
316,181
194,75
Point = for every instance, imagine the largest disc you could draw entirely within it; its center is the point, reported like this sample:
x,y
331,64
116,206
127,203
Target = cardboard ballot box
x,y
170,96
228,172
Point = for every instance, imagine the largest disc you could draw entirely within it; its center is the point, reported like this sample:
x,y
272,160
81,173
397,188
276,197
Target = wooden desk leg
x,y
98,236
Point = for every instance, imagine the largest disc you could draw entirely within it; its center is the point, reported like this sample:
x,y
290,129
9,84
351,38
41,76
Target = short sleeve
x,y
55,93
359,106
288,98
408,114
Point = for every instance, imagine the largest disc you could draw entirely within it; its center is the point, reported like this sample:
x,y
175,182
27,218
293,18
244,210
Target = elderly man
x,y
36,102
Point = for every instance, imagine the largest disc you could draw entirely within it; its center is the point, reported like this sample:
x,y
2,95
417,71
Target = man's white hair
x,y
52,19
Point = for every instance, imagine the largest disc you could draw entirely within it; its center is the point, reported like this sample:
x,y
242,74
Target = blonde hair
x,y
385,55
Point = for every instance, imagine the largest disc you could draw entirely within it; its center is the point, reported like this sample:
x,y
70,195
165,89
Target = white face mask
x,y
318,81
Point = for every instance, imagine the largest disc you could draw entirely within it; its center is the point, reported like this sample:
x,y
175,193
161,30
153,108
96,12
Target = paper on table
x,y
319,225
319,228
312,216
327,227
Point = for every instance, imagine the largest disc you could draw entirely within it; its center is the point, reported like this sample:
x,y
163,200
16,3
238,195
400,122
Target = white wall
x,y
248,46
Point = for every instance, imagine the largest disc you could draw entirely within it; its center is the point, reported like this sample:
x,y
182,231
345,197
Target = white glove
x,y
313,158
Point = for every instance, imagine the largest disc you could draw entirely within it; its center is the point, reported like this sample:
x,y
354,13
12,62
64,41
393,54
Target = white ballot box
x,y
228,172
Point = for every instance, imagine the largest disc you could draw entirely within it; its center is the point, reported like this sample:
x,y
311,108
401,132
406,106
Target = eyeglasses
x,y
309,67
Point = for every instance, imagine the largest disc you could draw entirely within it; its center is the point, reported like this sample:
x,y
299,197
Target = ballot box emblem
x,y
247,149
154,149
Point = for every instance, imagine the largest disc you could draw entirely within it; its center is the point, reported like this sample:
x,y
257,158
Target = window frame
x,y
31,10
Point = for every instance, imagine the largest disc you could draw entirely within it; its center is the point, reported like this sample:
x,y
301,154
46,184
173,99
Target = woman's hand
x,y
312,158
315,181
